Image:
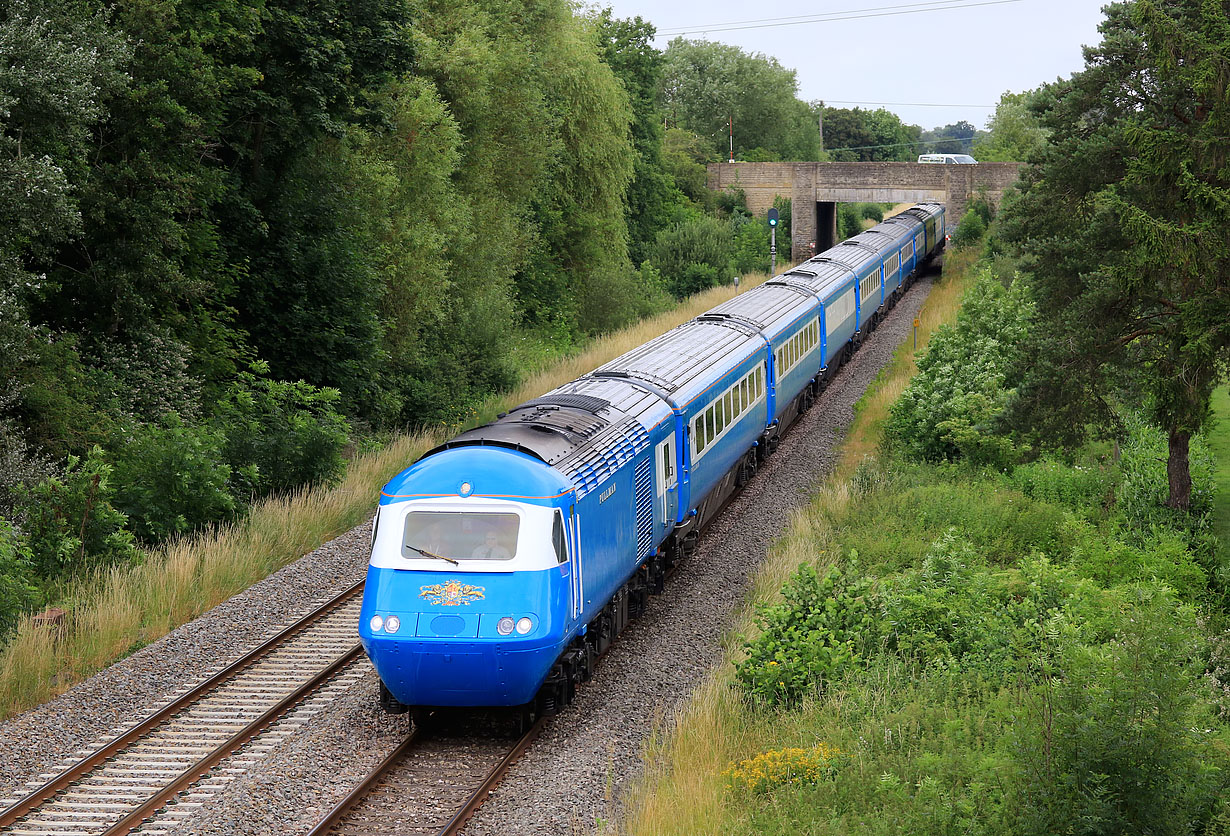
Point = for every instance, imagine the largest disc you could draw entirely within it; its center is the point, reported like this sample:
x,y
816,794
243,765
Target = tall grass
x,y
125,608
683,790
1219,446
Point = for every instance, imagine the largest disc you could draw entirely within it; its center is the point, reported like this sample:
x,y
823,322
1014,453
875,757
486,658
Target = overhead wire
x,y
826,17
816,15
902,104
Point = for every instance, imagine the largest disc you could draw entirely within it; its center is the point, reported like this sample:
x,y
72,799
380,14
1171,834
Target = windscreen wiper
x,y
426,553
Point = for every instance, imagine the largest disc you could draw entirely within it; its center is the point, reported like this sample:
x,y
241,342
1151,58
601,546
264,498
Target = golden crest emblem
x,y
452,593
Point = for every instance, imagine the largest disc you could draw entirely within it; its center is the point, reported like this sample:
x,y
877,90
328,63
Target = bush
x,y
170,479
733,201
849,221
817,633
151,373
961,385
751,247
277,436
871,212
21,468
1120,742
1072,486
1162,555
970,230
694,254
18,592
71,522
785,767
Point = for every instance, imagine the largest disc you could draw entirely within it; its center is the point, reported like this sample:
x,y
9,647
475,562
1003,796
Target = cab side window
x,y
557,539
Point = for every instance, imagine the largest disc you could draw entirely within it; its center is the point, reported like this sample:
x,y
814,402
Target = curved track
x,y
188,751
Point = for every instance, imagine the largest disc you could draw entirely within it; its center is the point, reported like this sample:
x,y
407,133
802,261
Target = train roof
x,y
684,362
923,211
491,472
588,428
582,430
771,308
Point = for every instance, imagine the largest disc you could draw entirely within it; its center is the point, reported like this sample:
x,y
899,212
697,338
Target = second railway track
x,y
164,768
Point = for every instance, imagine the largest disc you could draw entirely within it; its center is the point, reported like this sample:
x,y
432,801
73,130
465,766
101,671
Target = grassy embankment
x,y
127,608
977,652
684,791
1219,446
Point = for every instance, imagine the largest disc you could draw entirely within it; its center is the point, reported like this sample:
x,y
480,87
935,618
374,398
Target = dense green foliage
x,y
1002,654
1002,637
708,84
240,236
1121,226
957,138
963,381
857,135
1014,133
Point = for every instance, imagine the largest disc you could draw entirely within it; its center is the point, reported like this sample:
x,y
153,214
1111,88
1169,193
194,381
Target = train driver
x,y
490,549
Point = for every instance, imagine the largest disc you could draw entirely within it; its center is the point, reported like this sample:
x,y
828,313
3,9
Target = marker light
x,y
465,489
392,624
504,626
377,623
524,625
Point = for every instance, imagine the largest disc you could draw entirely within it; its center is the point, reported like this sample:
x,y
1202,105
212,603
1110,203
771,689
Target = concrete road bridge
x,y
815,189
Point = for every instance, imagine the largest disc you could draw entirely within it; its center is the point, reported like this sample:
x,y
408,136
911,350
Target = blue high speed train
x,y
506,560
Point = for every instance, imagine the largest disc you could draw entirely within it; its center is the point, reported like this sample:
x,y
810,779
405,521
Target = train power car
x,y
506,560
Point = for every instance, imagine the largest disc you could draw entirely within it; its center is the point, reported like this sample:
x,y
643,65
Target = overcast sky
x,y
932,63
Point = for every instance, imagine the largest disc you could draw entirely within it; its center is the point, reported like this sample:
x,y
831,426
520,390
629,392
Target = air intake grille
x,y
644,507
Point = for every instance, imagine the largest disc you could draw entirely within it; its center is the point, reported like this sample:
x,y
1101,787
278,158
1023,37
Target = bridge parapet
x,y
814,188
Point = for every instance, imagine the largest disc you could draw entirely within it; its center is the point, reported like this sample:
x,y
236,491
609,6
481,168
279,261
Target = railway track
x,y
428,785
163,769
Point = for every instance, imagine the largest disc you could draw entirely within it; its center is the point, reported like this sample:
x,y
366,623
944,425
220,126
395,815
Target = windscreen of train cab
x,y
461,535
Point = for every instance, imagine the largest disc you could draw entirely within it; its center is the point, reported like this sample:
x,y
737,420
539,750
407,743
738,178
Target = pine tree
x,y
1122,224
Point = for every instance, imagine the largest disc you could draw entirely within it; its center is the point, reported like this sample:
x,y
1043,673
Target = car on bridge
x,y
960,159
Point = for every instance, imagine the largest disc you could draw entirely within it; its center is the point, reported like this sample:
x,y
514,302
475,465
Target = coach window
x,y
557,539
709,431
731,412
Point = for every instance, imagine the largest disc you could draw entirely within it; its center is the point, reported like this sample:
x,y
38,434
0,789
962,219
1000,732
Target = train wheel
x,y
389,703
524,717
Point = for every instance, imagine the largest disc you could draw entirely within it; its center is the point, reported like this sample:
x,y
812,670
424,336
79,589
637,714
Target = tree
x,y
1014,133
709,83
1122,225
627,48
950,139
858,135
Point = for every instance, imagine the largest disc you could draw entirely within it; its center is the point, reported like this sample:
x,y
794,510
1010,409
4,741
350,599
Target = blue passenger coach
x,y
506,560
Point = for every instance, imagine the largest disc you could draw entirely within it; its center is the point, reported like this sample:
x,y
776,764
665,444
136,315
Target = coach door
x,y
667,481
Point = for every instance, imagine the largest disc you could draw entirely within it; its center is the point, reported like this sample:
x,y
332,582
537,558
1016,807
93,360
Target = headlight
x,y
377,623
392,624
524,625
504,626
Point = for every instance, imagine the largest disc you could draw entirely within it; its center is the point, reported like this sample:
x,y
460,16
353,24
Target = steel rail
x,y
189,776
373,778
480,795
31,801
339,811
